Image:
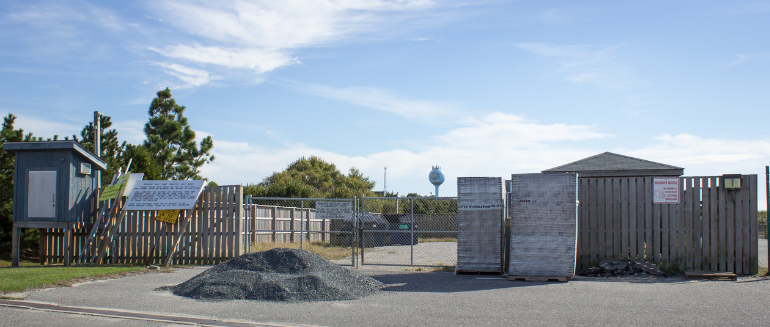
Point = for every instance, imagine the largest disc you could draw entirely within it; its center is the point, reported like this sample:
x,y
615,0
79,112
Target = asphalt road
x,y
431,299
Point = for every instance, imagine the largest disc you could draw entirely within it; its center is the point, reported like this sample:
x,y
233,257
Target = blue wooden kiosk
x,y
54,187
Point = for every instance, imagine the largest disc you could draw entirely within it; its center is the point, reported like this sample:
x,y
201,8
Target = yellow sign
x,y
110,192
167,216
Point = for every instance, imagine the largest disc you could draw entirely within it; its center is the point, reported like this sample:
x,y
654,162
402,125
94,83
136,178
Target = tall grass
x,y
324,249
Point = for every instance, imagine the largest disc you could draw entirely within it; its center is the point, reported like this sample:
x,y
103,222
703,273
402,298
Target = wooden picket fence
x,y
281,224
214,234
711,229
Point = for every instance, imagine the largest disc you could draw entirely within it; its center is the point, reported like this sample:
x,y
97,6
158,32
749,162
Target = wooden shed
x,y
54,185
610,164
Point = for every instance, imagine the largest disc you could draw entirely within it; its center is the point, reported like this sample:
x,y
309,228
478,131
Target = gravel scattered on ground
x,y
278,275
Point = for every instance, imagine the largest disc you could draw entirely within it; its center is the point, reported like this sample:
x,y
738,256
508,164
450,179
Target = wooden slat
x,y
722,216
640,245
607,220
593,221
730,213
207,217
681,229
239,220
664,233
618,251
632,224
688,214
706,223
713,223
753,226
218,225
738,216
672,218
745,218
648,218
656,246
230,226
584,242
697,224
624,228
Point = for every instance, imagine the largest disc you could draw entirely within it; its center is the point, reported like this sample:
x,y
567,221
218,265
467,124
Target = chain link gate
x,y
322,226
408,231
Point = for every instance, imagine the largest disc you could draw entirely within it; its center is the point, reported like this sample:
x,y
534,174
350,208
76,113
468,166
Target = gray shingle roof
x,y
613,164
56,145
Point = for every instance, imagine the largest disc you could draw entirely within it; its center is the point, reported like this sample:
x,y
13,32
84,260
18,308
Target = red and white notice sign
x,y
665,190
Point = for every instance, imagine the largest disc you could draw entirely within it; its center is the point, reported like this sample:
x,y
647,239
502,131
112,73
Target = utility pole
x,y
98,144
385,183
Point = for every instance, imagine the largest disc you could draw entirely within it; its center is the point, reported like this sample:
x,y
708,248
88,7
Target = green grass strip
x,y
22,278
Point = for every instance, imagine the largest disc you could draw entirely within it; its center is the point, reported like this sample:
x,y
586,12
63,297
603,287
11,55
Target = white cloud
x,y
585,64
262,35
258,60
190,76
131,131
498,144
46,128
744,58
383,100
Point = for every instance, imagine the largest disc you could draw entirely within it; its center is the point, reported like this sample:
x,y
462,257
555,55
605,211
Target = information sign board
x,y
333,210
665,190
164,195
111,191
167,216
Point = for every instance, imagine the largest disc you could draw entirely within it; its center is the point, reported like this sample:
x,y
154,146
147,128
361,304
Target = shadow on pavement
x,y
446,282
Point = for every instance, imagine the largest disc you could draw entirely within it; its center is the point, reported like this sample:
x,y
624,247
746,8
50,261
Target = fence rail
x,y
710,229
214,234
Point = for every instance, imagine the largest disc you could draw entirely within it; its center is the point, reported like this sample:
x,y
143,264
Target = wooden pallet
x,y
472,272
711,275
537,278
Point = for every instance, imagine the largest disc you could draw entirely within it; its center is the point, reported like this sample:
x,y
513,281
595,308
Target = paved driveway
x,y
432,299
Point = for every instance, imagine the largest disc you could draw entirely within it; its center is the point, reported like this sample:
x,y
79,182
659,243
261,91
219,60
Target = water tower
x,y
436,177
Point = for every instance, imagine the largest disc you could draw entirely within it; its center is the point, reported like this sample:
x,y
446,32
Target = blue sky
x,y
481,88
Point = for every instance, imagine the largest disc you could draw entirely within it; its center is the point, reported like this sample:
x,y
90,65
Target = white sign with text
x,y
164,195
665,190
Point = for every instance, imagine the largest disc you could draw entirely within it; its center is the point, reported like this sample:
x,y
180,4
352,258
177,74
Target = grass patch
x,y
762,272
437,239
444,268
23,278
324,249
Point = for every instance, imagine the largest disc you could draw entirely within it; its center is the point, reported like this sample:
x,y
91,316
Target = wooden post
x,y
238,220
291,225
67,245
98,145
15,246
274,214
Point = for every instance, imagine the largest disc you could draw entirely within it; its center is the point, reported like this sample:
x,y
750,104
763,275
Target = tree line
x,y
169,152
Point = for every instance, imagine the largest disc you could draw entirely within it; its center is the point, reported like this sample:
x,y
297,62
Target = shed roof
x,y
610,164
56,145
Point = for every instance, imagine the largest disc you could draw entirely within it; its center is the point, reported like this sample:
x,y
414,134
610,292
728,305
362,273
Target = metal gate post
x,y
353,226
411,234
301,224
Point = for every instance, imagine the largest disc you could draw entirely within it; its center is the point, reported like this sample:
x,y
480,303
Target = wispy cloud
x,y
383,100
262,35
190,76
585,64
744,58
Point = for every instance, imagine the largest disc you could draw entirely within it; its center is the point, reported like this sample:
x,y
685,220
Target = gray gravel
x,y
278,275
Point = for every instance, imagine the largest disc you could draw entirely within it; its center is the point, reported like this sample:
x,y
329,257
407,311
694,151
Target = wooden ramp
x,y
537,278
711,275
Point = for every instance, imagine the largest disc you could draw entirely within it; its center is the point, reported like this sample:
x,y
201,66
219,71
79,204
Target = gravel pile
x,y
278,275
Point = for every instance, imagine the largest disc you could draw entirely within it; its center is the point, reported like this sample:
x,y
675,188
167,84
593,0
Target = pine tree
x,y
171,142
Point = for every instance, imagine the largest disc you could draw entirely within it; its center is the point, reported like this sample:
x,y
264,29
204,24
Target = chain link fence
x,y
412,231
322,226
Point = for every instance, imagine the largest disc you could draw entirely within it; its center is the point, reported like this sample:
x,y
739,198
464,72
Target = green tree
x,y
29,237
313,178
171,142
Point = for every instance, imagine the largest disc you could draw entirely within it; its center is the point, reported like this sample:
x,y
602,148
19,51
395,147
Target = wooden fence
x,y
213,235
281,224
710,229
